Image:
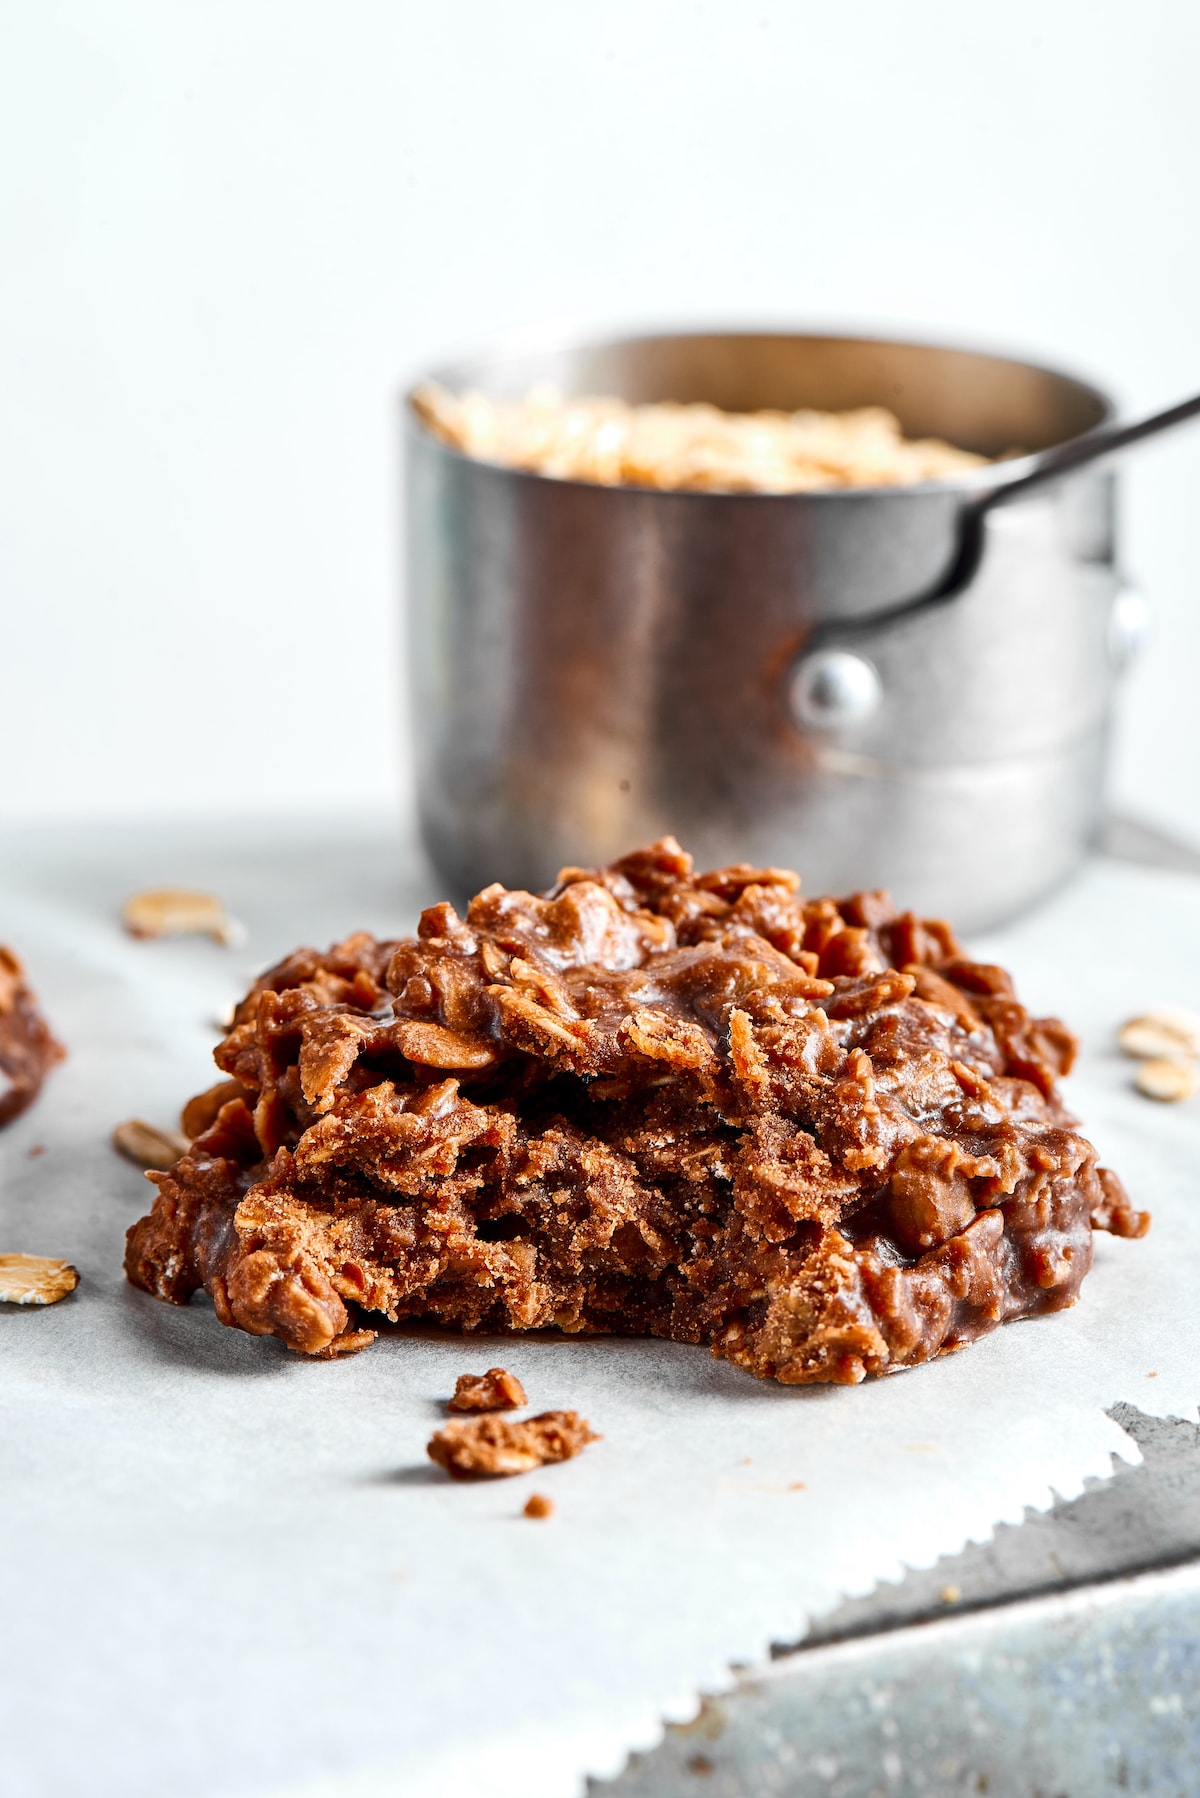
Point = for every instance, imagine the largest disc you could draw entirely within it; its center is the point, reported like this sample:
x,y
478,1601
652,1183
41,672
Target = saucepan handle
x,y
1051,465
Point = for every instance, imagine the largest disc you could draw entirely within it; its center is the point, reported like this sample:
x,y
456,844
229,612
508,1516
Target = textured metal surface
x,y
1063,1698
1062,1658
596,666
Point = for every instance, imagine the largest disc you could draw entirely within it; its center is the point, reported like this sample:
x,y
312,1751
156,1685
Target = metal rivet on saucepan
x,y
833,689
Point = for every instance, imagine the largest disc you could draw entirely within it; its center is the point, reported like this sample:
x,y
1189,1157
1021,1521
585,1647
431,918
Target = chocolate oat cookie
x,y
27,1049
812,1135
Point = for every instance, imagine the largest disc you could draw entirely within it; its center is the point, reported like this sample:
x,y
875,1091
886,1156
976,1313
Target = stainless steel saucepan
x,y
907,687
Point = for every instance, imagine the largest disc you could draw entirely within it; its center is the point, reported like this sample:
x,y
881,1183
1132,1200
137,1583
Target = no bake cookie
x,y
27,1049
812,1135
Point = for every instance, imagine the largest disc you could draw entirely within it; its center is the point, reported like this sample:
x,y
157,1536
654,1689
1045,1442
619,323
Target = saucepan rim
x,y
990,478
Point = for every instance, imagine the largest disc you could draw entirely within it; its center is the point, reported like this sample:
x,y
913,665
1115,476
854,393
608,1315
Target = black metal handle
x,y
1079,451
1063,459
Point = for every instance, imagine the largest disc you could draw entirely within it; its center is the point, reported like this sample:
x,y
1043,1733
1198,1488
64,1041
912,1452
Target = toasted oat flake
x,y
1167,1030
1166,1078
35,1280
175,911
602,439
147,1146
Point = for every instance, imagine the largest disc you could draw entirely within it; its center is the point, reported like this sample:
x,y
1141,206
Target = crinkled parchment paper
x,y
227,1571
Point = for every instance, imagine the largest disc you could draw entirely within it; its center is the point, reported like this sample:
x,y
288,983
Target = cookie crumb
x,y
950,1594
538,1505
494,1447
495,1390
39,1148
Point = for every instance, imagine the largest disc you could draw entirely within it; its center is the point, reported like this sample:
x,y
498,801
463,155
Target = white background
x,y
229,229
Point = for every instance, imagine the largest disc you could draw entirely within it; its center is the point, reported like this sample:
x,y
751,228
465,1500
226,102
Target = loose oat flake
x,y
147,1146
174,911
35,1280
1167,1030
1166,1078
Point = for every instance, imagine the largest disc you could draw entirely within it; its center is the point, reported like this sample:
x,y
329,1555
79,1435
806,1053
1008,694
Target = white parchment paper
x,y
230,1572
